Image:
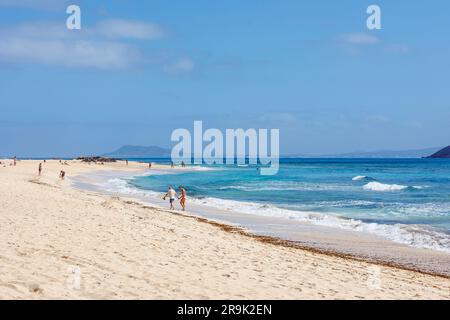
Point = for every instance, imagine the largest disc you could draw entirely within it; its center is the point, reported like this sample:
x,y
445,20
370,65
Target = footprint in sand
x,y
34,288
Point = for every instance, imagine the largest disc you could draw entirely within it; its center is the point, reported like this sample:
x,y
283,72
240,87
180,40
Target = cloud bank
x,y
355,42
109,45
359,38
118,28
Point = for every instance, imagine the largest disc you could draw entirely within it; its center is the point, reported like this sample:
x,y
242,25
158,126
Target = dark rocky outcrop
x,y
96,159
444,153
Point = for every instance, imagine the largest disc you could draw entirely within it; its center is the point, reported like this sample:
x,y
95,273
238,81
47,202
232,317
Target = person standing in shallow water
x,y
172,196
182,197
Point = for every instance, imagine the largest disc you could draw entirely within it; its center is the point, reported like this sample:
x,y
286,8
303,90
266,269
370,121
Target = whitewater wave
x,y
426,209
378,186
363,178
384,210
286,186
200,168
122,186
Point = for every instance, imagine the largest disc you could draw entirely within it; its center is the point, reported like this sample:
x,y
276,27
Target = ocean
x,y
403,200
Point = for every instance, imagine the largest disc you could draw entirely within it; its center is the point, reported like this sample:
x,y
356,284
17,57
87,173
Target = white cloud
x,y
183,65
359,39
96,47
118,28
40,30
354,43
88,54
53,44
109,29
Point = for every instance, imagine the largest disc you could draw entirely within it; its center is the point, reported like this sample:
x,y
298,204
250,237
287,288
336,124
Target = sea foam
x,y
378,186
358,178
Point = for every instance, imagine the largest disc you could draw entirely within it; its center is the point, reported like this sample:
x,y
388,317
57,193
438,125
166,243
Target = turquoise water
x,y
371,193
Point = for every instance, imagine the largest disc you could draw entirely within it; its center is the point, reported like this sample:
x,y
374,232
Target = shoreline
x,y
131,250
279,241
335,241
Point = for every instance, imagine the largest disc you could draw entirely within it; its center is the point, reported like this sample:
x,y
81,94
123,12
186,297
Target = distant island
x,y
130,151
443,153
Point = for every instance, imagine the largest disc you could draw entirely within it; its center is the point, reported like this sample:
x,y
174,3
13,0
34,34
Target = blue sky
x,y
139,69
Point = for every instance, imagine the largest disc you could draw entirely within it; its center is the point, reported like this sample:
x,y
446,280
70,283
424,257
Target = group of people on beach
x,y
172,195
62,173
13,163
172,164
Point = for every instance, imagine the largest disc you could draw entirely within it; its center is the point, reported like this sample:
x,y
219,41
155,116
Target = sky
x,y
137,70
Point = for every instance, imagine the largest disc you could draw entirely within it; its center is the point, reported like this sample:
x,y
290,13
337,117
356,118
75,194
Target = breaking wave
x,y
382,187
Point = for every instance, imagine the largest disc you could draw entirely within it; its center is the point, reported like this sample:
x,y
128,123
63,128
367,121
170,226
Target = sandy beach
x,y
59,242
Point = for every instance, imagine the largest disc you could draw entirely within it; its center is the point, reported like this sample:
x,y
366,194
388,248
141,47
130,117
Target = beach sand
x,y
59,243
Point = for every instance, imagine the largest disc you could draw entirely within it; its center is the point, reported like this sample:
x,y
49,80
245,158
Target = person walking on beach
x,y
40,169
172,196
15,160
182,197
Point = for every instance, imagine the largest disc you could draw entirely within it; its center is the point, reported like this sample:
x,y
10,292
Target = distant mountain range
x,y
417,153
139,152
130,151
